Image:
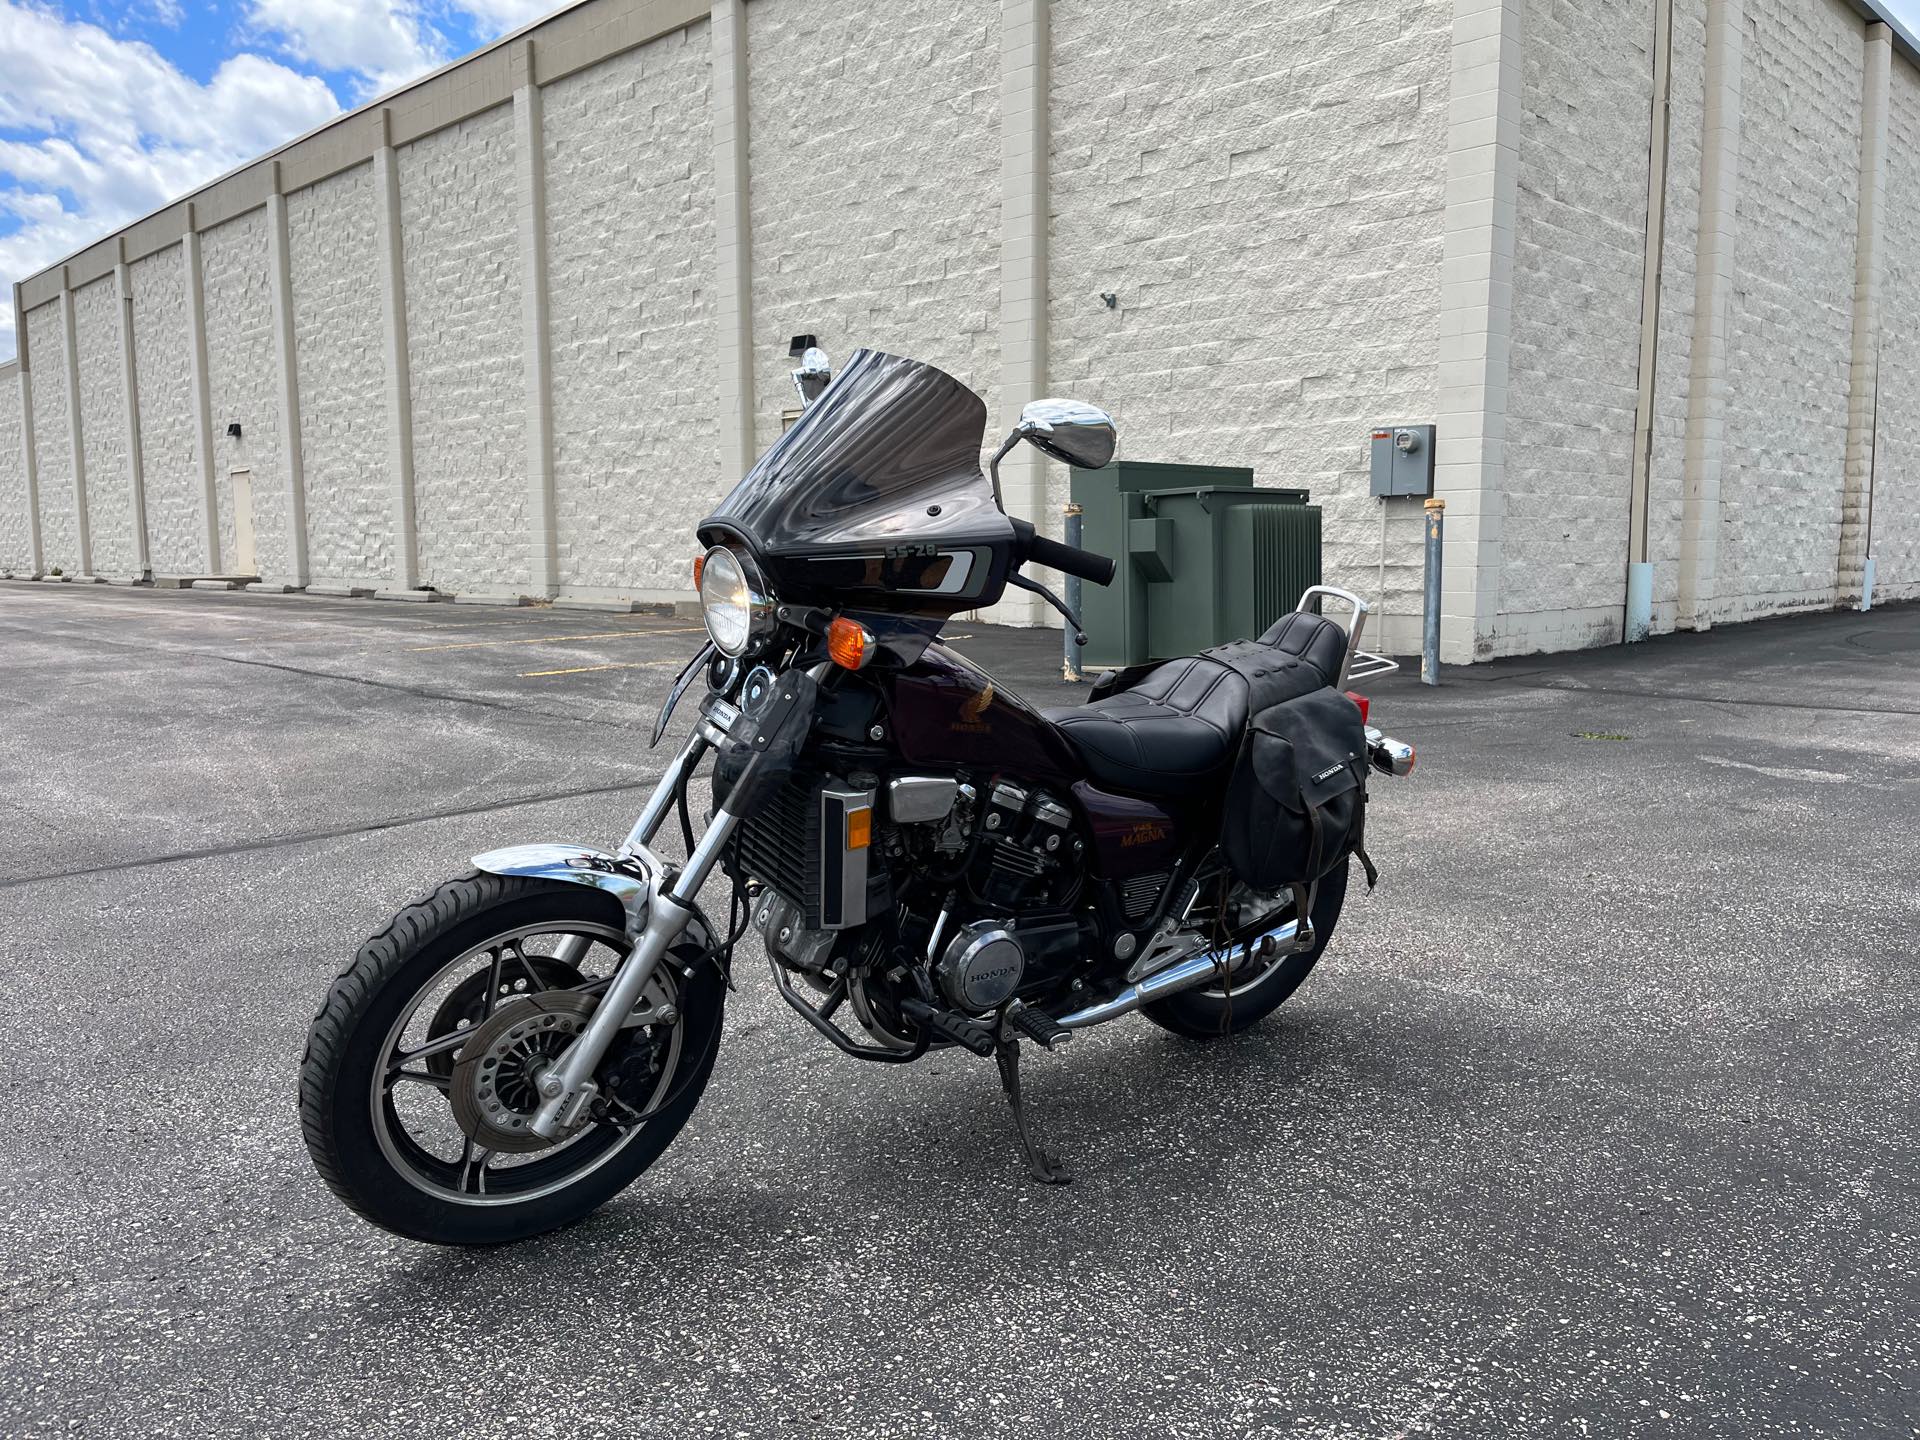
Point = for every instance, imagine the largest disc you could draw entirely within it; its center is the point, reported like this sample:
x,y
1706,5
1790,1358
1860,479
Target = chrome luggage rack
x,y
1359,664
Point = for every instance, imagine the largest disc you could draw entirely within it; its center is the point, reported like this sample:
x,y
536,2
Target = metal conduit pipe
x,y
1637,621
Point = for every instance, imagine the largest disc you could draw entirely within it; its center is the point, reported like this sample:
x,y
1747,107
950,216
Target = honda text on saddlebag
x,y
930,860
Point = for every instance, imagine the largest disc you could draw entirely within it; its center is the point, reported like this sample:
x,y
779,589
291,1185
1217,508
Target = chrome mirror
x,y
1071,431
815,372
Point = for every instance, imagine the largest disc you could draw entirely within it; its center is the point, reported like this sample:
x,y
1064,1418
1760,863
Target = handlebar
x,y
1030,545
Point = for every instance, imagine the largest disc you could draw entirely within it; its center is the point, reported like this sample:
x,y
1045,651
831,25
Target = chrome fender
x,y
629,879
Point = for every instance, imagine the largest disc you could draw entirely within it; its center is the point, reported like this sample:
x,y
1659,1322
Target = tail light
x,y
1361,701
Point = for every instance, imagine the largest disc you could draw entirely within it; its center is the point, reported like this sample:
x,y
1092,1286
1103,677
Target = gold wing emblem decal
x,y
975,706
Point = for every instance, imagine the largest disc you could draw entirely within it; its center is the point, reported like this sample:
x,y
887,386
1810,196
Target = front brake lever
x,y
1079,635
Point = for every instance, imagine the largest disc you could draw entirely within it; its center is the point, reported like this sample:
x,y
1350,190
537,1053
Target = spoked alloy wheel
x,y
422,1068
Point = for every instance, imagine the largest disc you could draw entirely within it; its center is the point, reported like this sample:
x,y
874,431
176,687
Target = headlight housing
x,y
734,601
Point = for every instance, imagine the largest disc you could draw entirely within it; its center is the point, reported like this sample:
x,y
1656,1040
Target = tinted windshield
x,y
889,454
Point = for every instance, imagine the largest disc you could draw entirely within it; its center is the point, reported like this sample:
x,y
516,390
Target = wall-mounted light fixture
x,y
233,430
1113,300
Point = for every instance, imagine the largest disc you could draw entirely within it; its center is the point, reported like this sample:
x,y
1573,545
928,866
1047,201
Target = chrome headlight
x,y
734,601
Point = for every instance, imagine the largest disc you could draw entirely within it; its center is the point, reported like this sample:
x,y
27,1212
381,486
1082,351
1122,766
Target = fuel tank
x,y
947,712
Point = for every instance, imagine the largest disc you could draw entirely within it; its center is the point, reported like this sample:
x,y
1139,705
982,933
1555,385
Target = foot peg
x,y
949,1025
1036,1025
1046,1169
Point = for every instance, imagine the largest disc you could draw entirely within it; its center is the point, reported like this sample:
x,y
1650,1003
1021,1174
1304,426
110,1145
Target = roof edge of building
x,y
579,35
573,38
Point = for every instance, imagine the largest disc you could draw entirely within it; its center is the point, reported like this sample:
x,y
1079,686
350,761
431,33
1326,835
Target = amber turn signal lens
x,y
860,828
699,568
849,644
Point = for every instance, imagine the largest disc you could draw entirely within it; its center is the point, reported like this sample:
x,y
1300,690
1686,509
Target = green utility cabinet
x,y
1202,556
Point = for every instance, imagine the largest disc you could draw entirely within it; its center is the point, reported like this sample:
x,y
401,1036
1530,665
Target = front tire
x,y
1205,1014
354,1127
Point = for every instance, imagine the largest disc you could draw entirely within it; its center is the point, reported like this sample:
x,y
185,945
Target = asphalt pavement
x,y
1598,1119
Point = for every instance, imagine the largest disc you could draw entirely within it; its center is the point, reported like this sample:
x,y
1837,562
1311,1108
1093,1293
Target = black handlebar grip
x,y
1030,545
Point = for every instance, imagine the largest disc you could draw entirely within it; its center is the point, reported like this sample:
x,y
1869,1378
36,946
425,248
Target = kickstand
x,y
1046,1169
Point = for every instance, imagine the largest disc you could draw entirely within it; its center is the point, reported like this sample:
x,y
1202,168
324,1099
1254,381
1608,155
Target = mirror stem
x,y
993,466
1079,635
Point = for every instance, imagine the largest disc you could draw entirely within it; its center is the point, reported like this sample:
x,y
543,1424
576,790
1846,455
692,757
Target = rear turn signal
x,y
849,643
1361,701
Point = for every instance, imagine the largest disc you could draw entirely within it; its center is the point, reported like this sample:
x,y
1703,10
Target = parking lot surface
x,y
1597,1119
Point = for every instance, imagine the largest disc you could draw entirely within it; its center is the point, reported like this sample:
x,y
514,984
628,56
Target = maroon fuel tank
x,y
947,712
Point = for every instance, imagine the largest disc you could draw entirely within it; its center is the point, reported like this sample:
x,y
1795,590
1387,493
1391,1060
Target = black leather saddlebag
x,y
1296,806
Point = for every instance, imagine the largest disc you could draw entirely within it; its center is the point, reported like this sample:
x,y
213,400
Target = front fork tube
x,y
573,949
567,1087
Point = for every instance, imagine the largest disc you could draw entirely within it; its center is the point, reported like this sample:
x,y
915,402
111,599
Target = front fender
x,y
627,879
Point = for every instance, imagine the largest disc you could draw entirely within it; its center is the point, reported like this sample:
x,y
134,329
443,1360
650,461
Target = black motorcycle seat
x,y
1178,725
1181,722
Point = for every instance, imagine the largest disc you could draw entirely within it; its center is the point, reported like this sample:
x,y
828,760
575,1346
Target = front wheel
x,y
1257,988
421,1068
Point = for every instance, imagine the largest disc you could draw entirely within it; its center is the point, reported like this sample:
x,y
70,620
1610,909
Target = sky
x,y
111,110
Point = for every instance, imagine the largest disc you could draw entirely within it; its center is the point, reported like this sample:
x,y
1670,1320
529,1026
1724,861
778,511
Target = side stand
x,y
1045,1168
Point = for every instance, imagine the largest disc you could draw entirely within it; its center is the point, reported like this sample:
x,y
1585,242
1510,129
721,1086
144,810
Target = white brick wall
x,y
630,279
53,450
16,546
1579,253
175,532
343,415
873,152
462,270
1896,480
241,384
103,429
1262,186
1791,314
1265,185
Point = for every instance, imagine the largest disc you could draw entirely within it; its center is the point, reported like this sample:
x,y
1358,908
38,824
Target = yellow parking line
x,y
583,669
554,639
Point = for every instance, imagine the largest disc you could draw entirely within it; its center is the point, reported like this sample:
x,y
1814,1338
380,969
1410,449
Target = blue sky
x,y
110,110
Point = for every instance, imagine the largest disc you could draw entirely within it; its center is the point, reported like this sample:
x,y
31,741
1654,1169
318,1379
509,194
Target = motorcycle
x,y
931,861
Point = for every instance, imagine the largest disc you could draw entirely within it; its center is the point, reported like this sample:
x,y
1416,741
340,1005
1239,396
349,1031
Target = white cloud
x,y
503,15
116,131
385,42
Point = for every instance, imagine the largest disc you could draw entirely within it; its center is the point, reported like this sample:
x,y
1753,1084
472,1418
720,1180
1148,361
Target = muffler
x,y
1189,974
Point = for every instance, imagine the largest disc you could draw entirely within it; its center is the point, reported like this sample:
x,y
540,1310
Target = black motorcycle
x,y
930,860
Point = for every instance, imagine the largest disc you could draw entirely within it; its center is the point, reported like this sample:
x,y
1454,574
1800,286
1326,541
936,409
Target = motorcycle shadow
x,y
1144,1121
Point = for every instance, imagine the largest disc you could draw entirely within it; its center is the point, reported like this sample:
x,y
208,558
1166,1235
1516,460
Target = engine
x,y
987,886
1029,854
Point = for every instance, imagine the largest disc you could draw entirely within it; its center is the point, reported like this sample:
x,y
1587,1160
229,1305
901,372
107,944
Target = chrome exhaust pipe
x,y
1187,975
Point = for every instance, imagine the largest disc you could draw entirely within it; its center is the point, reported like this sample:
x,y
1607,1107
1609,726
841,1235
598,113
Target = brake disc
x,y
466,1003
495,1091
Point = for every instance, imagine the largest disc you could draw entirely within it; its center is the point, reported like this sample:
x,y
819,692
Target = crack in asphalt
x,y
307,837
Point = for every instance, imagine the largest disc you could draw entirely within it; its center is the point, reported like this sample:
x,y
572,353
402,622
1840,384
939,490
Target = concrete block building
x,y
1652,267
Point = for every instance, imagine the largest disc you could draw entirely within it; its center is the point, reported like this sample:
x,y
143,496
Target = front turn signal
x,y
699,568
849,643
